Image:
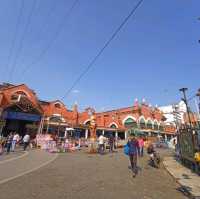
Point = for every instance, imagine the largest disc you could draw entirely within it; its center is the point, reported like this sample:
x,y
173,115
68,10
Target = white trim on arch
x,y
88,120
58,115
127,117
142,117
113,123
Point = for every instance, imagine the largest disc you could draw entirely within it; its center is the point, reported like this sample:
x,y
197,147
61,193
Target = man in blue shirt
x,y
133,150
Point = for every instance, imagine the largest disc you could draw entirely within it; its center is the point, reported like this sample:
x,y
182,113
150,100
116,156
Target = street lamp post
x,y
183,90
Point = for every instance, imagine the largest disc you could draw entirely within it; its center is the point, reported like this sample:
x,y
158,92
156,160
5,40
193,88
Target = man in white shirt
x,y
26,141
14,141
101,144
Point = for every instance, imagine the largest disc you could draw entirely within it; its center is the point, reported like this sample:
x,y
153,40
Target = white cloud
x,y
75,91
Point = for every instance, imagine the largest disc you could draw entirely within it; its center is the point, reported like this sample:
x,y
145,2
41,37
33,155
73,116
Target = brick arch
x,y
142,117
20,91
113,123
58,116
156,122
86,121
127,117
148,121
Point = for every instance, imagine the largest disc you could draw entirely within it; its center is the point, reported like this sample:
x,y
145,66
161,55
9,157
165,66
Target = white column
x,y
103,132
86,134
126,135
116,134
149,133
165,137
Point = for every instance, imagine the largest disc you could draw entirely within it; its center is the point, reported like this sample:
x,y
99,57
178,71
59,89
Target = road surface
x,y
80,175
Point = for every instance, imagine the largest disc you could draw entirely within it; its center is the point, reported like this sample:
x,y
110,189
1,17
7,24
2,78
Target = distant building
x,y
175,112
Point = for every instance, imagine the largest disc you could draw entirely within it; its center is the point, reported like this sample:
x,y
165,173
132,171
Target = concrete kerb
x,y
182,188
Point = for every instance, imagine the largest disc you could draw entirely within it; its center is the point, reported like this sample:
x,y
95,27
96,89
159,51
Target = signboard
x,y
21,116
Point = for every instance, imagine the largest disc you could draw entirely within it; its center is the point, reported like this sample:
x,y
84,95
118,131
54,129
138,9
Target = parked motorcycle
x,y
155,159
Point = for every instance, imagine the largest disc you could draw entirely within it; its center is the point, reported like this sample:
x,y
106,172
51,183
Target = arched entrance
x,y
130,123
142,123
156,126
19,118
149,124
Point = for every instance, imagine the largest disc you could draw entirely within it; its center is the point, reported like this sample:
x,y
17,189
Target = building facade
x,y
21,111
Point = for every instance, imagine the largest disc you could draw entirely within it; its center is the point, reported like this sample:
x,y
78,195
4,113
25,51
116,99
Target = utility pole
x,y
176,114
198,95
183,90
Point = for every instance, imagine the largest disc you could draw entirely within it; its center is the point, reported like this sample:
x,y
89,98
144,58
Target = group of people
x,y
103,141
9,143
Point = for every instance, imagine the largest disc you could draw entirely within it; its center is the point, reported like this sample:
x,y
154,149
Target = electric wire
x,y
45,50
33,6
43,29
15,34
132,12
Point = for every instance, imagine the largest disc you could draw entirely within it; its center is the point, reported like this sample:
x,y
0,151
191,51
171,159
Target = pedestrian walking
x,y
141,147
1,145
26,141
111,143
133,146
15,141
101,144
9,142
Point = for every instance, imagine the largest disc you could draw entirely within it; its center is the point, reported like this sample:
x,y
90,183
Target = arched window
x,y
55,119
130,123
156,125
142,123
15,96
87,123
113,126
21,93
57,105
149,124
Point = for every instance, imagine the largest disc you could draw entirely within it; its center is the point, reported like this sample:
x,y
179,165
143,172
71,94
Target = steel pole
x,y
183,90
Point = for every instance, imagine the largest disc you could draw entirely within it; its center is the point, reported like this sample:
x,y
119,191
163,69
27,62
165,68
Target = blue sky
x,y
155,54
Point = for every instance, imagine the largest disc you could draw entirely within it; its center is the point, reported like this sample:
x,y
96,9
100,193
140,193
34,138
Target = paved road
x,y
11,155
79,175
23,164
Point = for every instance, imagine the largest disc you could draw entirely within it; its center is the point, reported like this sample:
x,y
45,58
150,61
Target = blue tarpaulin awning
x,y
21,116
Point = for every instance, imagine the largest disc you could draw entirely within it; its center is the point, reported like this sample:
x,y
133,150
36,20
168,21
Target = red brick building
x,y
21,110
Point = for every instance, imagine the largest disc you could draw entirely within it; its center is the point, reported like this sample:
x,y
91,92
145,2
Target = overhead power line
x,y
43,53
15,33
18,52
44,27
132,12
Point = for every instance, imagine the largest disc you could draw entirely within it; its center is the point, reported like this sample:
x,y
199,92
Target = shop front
x,y
18,122
19,114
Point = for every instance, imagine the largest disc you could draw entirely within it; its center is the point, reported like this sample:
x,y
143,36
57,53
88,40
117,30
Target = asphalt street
x,y
81,175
